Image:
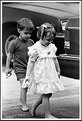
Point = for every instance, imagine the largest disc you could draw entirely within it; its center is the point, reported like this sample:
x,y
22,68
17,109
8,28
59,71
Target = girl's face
x,y
46,42
25,34
48,39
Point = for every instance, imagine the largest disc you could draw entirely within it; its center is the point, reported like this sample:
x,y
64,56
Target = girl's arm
x,y
57,66
26,81
31,62
30,67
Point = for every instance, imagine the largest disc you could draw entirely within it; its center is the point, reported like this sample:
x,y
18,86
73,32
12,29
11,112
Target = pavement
x,y
64,105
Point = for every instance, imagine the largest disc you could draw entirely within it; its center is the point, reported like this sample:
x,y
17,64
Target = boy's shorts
x,y
20,76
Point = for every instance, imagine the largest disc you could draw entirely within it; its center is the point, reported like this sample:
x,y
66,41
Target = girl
x,y
43,71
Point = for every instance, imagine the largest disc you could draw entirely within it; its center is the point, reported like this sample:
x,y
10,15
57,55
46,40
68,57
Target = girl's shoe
x,y
50,116
25,108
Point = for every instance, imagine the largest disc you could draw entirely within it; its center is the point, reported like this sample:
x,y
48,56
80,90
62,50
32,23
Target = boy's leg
x,y
23,94
37,103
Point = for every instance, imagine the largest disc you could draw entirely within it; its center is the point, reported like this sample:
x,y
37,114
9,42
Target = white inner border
x,y
79,63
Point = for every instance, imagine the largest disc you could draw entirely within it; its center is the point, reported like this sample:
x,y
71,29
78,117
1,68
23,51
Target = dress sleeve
x,y
33,54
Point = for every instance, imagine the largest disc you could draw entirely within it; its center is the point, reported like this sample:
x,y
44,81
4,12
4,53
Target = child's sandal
x,y
25,109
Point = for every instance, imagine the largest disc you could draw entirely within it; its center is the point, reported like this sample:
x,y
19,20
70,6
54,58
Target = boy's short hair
x,y
44,28
24,23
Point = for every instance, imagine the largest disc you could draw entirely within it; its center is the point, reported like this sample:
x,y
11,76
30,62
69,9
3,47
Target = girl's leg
x,y
46,98
46,104
23,92
37,103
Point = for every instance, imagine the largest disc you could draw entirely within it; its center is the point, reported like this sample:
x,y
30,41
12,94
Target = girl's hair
x,y
44,28
24,23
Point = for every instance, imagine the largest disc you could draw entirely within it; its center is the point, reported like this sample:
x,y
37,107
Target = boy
x,y
19,49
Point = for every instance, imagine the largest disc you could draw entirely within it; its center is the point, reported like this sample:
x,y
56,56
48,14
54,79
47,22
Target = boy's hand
x,y
8,72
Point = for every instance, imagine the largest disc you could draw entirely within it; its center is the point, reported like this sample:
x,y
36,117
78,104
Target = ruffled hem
x,y
46,88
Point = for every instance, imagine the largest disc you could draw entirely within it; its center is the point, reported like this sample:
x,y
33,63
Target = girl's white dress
x,y
44,78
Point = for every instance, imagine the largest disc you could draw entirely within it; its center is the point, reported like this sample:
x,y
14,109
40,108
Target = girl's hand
x,y
59,74
26,82
26,79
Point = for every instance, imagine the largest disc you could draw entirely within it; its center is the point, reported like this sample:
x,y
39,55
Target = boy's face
x,y
25,34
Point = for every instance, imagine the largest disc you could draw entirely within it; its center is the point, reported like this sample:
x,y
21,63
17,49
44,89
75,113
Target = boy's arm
x,y
8,61
57,66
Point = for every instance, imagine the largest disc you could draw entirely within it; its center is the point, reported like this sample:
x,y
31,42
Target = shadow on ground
x,y
61,112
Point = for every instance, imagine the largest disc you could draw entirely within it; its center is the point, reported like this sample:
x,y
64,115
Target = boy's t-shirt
x,y
19,48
